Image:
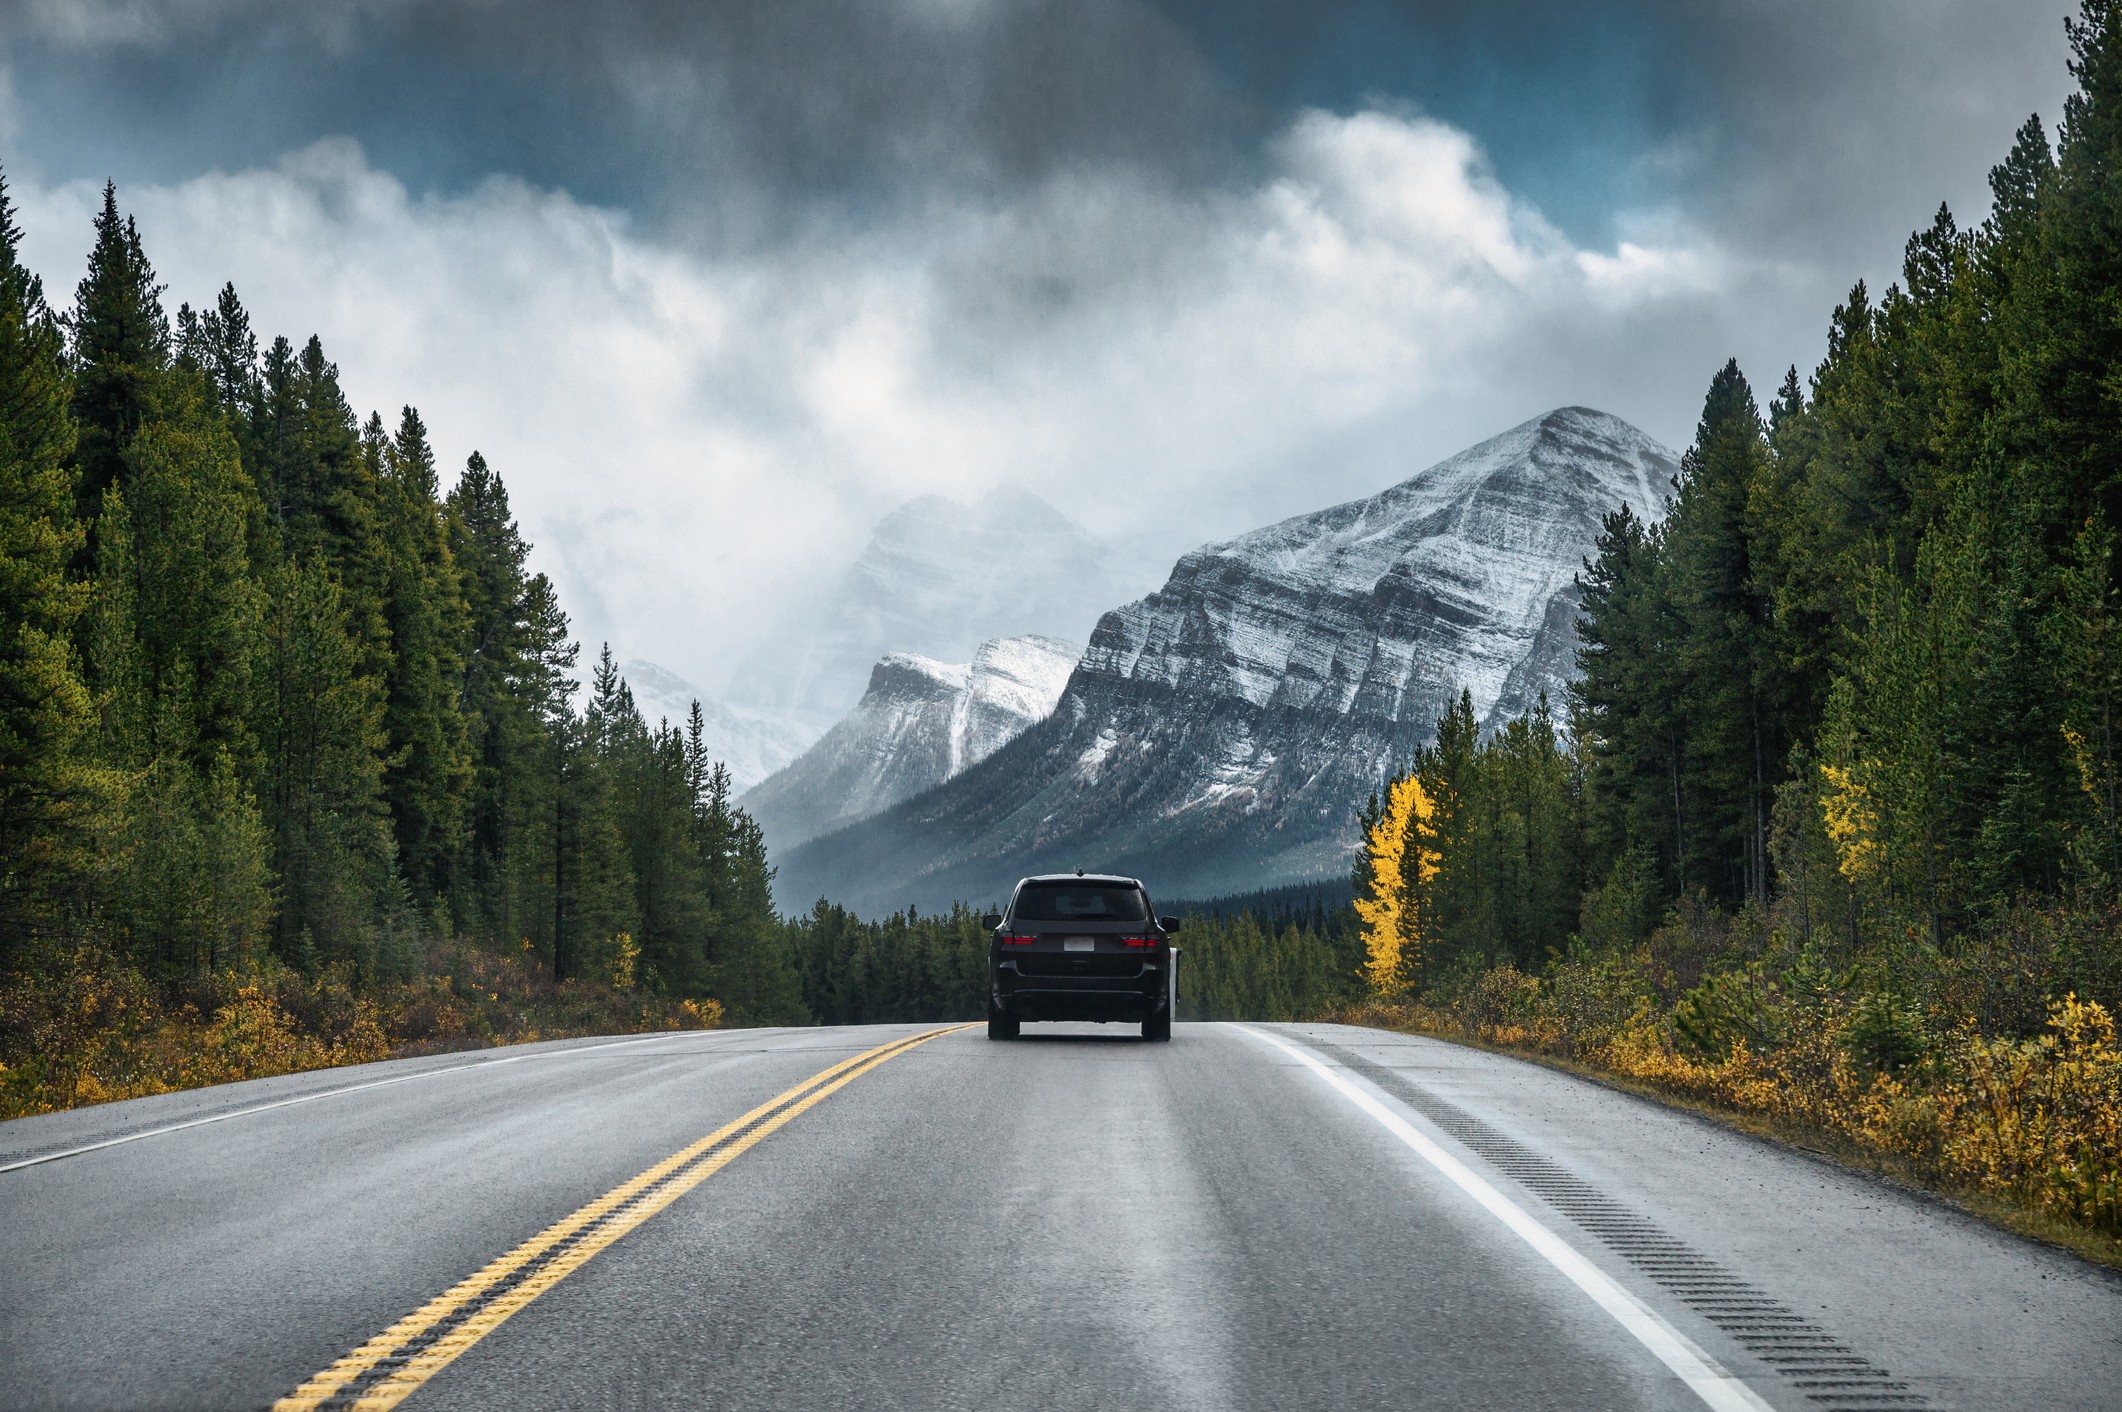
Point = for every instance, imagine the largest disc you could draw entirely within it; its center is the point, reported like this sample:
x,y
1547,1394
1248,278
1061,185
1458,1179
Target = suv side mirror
x,y
1170,924
990,922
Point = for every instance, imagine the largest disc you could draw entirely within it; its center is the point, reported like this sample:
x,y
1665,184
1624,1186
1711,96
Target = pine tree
x,y
1460,905
121,343
593,883
1626,699
184,521
1804,636
46,715
2061,342
228,351
320,727
1735,746
754,964
2015,188
670,896
176,634
503,722
274,435
324,481
429,758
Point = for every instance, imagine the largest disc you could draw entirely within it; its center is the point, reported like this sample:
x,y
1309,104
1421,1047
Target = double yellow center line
x,y
391,1366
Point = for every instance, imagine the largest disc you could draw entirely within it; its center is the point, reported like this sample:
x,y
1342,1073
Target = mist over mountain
x,y
753,743
938,579
1222,734
920,723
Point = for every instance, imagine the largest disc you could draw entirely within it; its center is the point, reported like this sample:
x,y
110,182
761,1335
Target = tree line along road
x,y
912,1216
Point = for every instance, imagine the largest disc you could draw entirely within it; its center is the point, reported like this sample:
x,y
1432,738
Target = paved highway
x,y
1248,1217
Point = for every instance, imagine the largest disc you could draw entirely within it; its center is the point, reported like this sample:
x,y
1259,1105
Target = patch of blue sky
x,y
1566,102
438,117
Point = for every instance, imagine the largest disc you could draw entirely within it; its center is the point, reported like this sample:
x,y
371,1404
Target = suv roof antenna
x,y
1079,870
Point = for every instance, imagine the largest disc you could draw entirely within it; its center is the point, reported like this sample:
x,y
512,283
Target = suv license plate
x,y
1080,943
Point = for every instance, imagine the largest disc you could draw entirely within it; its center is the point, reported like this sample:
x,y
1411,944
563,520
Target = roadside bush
x,y
2033,1119
78,1025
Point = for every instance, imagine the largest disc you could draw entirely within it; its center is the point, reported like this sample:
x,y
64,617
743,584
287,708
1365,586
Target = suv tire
x,y
1157,1027
999,1025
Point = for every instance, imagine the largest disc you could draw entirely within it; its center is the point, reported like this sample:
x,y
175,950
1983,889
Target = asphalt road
x,y
1265,1216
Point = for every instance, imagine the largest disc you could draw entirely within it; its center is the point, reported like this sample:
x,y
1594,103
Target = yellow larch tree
x,y
1401,864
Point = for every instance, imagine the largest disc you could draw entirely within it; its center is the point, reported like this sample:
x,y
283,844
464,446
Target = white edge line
x,y
332,1093
1703,1375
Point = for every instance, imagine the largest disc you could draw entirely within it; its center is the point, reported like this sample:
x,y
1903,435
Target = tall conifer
x,y
120,343
429,757
45,709
1735,745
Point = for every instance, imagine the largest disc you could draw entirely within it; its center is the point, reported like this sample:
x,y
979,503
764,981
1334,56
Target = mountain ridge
x,y
919,723
1223,732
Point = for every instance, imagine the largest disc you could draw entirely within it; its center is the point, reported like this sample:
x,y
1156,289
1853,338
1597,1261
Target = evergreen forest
x,y
290,737
1830,825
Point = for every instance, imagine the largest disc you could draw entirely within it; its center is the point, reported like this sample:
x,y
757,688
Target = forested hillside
x,y
1833,821
278,710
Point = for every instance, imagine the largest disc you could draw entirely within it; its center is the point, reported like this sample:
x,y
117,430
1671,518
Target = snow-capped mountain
x,y
753,743
920,723
1222,733
1462,576
937,579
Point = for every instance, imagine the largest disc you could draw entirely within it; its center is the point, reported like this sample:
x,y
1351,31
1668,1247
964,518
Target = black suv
x,y
1076,946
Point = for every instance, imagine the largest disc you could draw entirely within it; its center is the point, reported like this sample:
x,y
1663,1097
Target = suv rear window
x,y
1069,902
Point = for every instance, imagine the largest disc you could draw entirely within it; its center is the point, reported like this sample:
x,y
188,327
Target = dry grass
x,y
83,1028
2025,1134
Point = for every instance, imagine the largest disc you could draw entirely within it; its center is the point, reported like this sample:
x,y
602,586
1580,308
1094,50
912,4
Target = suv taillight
x,y
1138,941
1018,940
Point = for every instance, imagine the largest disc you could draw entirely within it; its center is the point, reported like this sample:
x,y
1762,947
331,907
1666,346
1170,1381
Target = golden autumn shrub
x,y
81,1027
2041,1119
2036,1121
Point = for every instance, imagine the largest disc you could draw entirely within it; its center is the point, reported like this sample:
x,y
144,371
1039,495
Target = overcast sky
x,y
715,286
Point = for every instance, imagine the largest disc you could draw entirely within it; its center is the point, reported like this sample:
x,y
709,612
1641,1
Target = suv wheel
x,y
1157,1026
1000,1025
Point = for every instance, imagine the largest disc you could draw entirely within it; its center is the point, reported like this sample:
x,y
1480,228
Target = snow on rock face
x,y
1462,576
1222,734
920,723
1013,682
751,742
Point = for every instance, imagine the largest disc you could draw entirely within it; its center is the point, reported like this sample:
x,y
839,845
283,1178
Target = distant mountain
x,y
752,742
1221,734
938,579
920,723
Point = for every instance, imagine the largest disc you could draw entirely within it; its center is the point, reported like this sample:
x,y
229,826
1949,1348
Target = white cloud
x,y
694,441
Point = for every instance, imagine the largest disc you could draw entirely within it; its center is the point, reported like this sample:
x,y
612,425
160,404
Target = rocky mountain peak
x,y
904,677
1222,733
920,723
1460,576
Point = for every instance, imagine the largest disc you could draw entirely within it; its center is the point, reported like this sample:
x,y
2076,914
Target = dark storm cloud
x,y
1810,126
723,115
1776,124
1211,257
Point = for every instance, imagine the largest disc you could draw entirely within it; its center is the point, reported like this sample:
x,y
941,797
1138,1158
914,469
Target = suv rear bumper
x,y
1087,997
